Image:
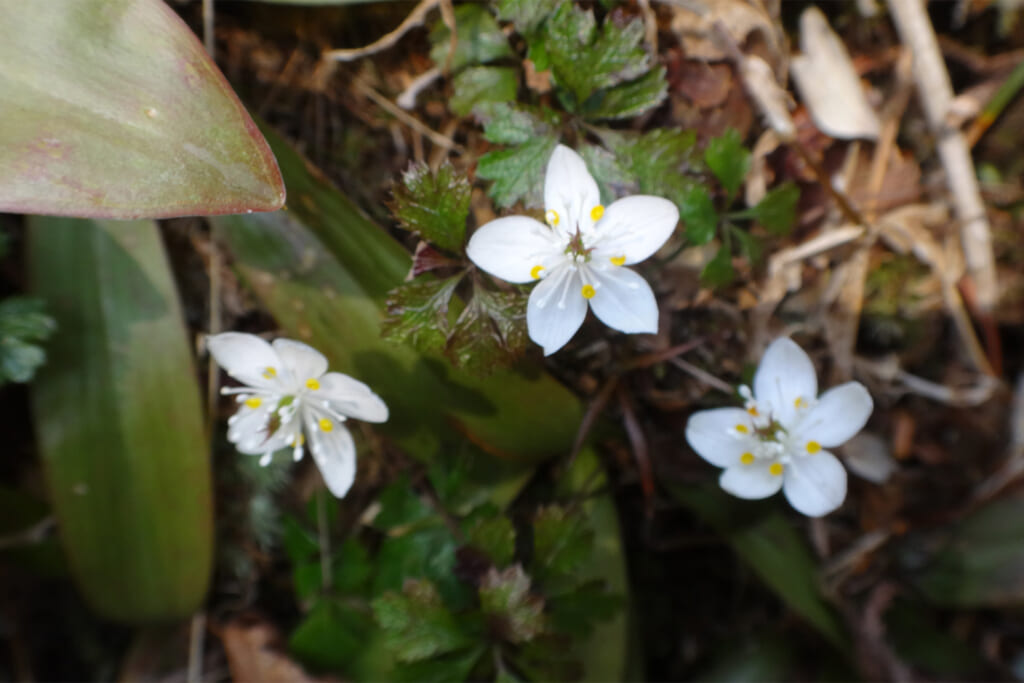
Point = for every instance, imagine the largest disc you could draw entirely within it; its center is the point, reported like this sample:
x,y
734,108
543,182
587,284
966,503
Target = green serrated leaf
x,y
629,99
400,505
456,666
352,568
112,109
300,544
330,637
509,124
495,537
612,178
659,160
750,246
562,542
426,552
777,209
479,38
719,271
490,333
23,325
697,212
527,15
728,159
518,172
417,312
575,612
479,84
516,613
416,623
584,60
433,204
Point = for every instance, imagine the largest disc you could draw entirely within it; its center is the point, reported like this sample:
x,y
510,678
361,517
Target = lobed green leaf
x,y
433,204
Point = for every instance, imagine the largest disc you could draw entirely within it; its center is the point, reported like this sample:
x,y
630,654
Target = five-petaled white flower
x,y
579,255
779,440
289,398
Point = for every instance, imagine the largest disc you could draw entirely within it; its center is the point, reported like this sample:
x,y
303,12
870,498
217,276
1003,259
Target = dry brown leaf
x,y
251,654
745,21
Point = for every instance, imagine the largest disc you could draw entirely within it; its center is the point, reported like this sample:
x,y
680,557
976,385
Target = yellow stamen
x,y
596,213
312,384
270,372
588,292
617,260
742,429
753,411
535,272
325,425
551,217
747,458
253,402
800,403
776,468
813,447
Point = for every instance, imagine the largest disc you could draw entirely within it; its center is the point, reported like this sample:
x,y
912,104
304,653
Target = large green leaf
x,y
323,270
119,422
772,549
112,109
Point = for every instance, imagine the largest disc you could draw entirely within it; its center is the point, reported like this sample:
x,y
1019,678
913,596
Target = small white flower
x,y
778,441
289,398
579,256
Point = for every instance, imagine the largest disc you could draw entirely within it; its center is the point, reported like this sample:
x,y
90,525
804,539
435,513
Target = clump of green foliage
x,y
24,326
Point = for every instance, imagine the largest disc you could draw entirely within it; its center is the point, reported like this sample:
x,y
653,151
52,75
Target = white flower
x,y
779,441
579,255
289,398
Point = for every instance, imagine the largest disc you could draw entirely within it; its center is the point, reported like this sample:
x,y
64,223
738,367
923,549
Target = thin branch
x,y
406,118
415,18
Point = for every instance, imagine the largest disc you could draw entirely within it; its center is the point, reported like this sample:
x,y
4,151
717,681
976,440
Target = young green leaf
x,y
629,99
576,612
527,15
479,39
490,333
612,177
777,209
331,636
728,159
434,205
400,505
516,613
494,537
658,160
416,623
584,60
518,173
750,246
417,312
508,124
718,272
24,324
697,212
562,542
480,84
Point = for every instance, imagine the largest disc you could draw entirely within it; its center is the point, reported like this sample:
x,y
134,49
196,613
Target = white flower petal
x,y
556,309
247,358
350,397
511,247
333,451
249,429
786,375
815,484
623,300
839,413
570,191
635,227
751,481
302,361
712,433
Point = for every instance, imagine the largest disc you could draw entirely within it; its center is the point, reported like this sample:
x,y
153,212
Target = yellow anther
x,y
813,447
800,403
301,441
270,372
596,213
535,272
776,469
588,292
753,411
253,402
747,458
312,384
551,217
325,425
742,429
617,260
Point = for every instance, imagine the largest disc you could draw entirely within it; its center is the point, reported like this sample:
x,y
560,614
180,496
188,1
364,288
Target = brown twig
x,y
415,18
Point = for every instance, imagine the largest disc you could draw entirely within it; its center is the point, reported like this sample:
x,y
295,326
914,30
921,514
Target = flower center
x,y
577,249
